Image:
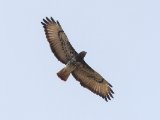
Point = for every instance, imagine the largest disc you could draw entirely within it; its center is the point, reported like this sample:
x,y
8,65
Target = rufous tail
x,y
63,74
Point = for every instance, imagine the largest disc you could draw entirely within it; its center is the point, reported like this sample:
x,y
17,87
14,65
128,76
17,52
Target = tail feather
x,y
63,74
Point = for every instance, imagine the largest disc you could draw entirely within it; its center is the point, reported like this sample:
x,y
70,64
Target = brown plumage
x,y
74,61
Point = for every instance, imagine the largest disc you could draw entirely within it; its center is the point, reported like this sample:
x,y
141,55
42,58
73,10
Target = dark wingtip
x,y
48,19
111,91
111,95
52,20
110,84
58,23
106,99
43,23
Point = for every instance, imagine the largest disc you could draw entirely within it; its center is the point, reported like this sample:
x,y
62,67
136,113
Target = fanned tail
x,y
64,74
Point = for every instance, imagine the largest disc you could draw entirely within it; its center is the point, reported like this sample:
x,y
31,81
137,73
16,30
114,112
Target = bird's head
x,y
81,56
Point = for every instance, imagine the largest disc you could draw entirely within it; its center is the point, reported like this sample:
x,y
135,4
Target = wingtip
x,y
58,23
111,91
47,20
111,95
110,84
106,99
43,23
52,20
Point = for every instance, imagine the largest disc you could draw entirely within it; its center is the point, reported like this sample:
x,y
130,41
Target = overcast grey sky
x,y
122,40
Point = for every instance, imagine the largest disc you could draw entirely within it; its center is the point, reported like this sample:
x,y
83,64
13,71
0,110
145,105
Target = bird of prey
x,y
74,61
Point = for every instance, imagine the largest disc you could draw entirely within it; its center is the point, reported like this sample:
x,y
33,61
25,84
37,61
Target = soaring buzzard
x,y
74,61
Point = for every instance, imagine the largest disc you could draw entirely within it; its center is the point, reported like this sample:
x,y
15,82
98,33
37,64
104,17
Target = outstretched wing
x,y
93,81
58,40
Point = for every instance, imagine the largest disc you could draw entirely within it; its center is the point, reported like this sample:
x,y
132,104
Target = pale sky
x,y
122,40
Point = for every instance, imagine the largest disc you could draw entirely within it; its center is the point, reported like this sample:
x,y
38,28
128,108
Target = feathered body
x,y
71,66
74,61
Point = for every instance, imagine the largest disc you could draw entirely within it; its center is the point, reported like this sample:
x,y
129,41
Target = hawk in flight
x,y
74,61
